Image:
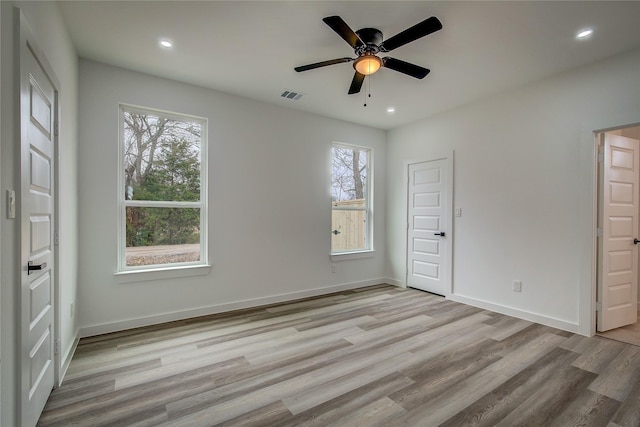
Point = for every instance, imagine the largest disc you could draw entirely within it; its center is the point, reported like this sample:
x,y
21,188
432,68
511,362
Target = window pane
x,y
349,203
162,235
351,227
349,174
161,158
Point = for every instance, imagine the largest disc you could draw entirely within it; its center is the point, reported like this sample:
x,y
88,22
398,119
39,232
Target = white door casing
x,y
429,231
38,115
618,284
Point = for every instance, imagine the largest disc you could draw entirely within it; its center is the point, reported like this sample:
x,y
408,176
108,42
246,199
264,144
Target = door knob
x,y
439,234
34,267
335,232
636,241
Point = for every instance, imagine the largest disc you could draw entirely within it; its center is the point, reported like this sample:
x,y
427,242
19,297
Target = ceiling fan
x,y
367,43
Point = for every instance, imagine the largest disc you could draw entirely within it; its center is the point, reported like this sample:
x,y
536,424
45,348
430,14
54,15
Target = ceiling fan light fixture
x,y
367,64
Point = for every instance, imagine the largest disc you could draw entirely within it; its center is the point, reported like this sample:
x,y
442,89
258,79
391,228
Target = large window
x,y
162,190
351,229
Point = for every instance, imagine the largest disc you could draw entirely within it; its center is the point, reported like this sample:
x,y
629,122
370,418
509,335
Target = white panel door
x,y
37,119
618,285
428,230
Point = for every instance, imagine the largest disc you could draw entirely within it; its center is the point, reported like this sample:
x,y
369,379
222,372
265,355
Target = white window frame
x,y
369,250
158,271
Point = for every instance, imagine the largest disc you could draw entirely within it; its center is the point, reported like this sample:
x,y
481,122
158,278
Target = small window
x,y
162,190
350,199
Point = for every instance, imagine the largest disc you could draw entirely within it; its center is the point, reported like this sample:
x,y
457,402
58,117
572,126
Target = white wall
x,y
269,203
523,178
10,277
48,28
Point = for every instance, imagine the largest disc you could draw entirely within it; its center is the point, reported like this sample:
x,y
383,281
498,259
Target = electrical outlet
x,y
517,286
333,268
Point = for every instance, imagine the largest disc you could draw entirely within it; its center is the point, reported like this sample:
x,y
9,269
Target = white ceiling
x,y
250,48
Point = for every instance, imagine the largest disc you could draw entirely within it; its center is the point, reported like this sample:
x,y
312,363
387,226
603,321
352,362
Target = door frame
x,y
3,195
588,219
446,155
27,41
599,138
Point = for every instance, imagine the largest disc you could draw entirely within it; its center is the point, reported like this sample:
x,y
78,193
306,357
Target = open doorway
x,y
618,302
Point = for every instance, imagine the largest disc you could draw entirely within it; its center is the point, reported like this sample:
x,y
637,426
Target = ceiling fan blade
x,y
339,26
322,64
426,27
405,67
356,83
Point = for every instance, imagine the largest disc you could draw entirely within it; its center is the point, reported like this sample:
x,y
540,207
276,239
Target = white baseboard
x,y
520,314
394,282
66,359
106,328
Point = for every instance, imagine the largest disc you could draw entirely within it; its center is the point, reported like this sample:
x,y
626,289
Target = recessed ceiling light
x,y
391,110
583,34
166,43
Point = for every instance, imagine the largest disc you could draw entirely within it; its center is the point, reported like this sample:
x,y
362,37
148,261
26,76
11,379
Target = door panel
x,y
426,223
618,282
37,118
428,214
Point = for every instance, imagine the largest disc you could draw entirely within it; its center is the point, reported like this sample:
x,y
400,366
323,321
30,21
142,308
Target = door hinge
x,y
56,347
56,238
600,156
598,306
599,232
55,128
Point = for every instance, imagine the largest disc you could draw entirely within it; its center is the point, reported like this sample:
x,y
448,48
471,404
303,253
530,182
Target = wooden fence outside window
x,y
349,218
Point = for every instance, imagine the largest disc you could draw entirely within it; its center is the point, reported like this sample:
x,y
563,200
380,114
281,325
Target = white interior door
x,y
37,120
428,227
618,284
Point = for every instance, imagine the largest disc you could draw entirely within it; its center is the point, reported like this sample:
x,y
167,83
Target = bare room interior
x,y
319,213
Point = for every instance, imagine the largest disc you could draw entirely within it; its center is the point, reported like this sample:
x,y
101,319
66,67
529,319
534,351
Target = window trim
x,y
369,250
158,271
346,256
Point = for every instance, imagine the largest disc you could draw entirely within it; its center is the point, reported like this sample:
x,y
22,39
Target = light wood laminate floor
x,y
376,356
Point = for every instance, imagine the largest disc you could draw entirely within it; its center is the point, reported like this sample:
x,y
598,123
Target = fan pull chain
x,y
368,91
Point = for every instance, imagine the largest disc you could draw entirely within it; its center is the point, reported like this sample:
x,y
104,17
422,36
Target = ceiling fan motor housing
x,y
371,37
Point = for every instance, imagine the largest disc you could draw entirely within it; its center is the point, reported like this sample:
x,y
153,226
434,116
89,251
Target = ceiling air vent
x,y
289,94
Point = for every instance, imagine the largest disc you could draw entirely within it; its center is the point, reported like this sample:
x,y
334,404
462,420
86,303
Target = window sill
x,y
352,255
162,273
